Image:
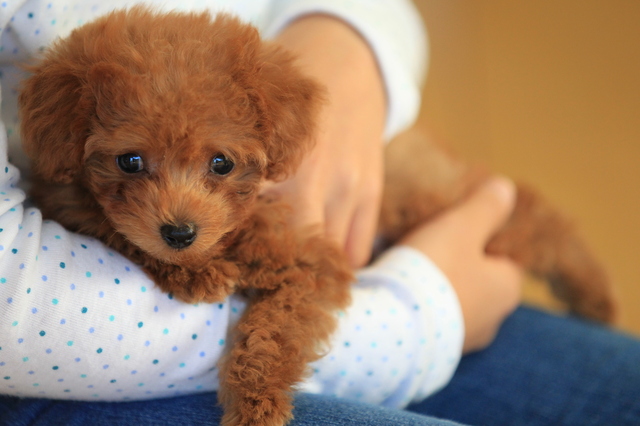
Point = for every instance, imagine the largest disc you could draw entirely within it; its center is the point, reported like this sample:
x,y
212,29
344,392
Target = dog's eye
x,y
130,163
221,165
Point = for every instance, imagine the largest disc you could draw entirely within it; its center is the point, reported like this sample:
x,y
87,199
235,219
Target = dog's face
x,y
171,122
174,171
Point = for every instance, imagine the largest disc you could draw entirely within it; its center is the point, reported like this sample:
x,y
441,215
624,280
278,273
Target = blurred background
x,y
548,92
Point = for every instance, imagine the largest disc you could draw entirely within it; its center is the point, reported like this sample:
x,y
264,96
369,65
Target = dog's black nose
x,y
178,236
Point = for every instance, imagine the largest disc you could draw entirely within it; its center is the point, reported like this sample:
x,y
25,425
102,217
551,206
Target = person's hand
x,y
339,184
488,287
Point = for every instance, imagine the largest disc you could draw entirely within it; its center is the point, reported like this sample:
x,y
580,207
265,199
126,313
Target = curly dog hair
x,y
153,132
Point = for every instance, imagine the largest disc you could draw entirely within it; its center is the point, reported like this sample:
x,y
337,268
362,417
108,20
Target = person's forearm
x,y
395,35
331,51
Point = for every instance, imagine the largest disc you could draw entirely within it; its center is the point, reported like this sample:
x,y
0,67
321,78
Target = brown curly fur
x,y
178,89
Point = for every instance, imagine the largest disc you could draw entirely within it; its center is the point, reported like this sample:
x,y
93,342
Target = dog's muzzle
x,y
178,236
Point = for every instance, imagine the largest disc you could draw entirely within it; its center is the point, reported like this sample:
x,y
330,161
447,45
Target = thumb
x,y
488,208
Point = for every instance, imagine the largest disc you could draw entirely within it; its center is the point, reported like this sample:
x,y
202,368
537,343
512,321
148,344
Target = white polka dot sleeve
x,y
400,340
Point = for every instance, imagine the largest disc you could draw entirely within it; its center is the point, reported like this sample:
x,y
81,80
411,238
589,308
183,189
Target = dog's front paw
x,y
262,410
209,284
212,285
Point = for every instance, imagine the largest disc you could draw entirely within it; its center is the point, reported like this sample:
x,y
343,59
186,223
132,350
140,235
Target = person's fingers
x,y
362,233
507,276
338,211
485,304
487,209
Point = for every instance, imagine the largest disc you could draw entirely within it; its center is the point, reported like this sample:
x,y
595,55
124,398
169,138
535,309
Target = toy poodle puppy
x,y
154,132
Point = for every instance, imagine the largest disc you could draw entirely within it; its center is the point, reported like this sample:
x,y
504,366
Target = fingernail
x,y
503,187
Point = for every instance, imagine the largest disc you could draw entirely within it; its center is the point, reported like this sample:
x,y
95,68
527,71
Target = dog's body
x,y
537,236
154,133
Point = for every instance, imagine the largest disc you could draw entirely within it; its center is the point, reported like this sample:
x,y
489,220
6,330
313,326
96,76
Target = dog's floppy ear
x,y
55,115
288,103
58,104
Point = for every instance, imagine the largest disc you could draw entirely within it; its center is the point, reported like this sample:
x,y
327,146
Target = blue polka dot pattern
x,y
383,337
117,337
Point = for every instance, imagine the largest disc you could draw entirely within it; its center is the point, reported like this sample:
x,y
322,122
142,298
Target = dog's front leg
x,y
269,356
279,335
211,282
285,327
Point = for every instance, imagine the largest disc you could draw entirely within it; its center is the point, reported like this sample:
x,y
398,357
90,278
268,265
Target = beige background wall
x,y
548,91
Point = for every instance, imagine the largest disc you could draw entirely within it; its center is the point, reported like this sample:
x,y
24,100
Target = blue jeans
x,y
541,370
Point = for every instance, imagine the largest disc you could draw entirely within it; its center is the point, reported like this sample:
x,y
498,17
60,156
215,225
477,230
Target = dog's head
x,y
170,121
